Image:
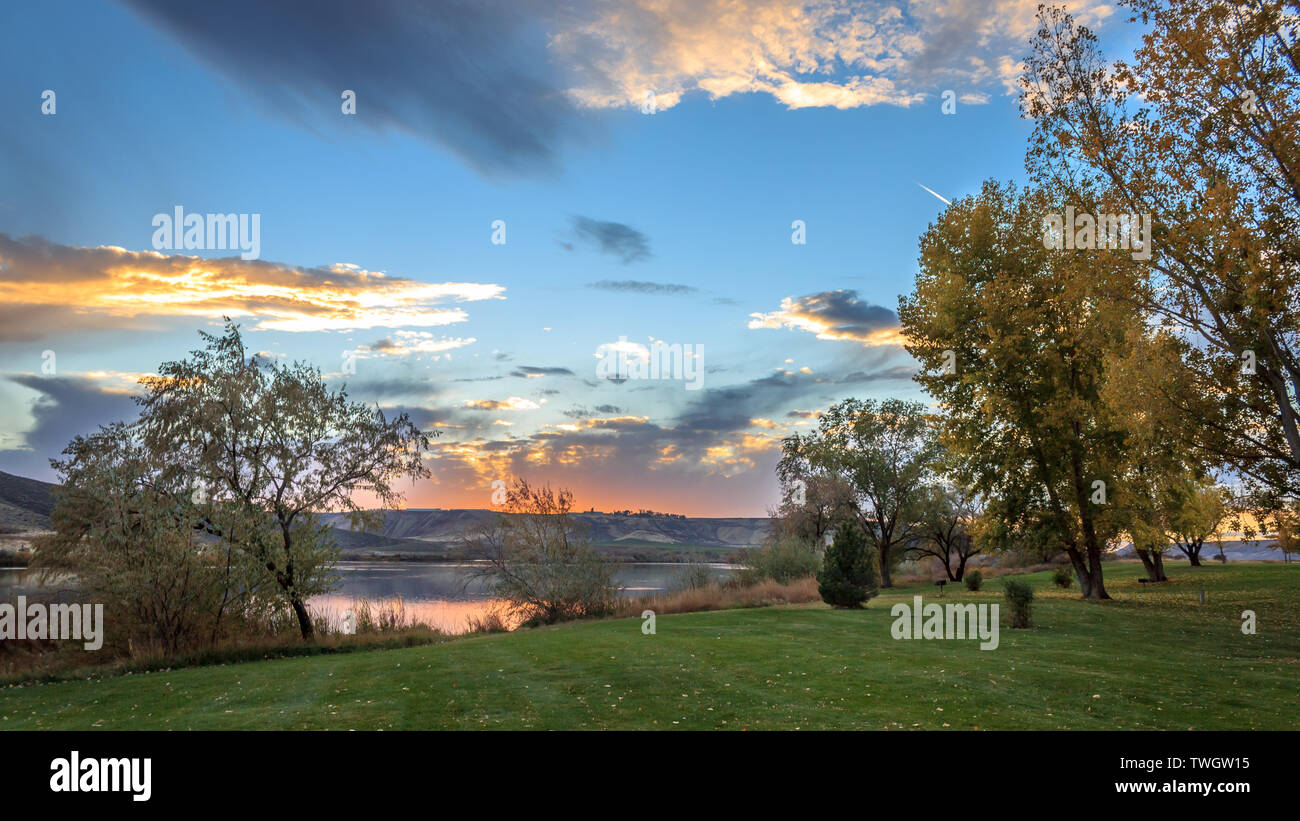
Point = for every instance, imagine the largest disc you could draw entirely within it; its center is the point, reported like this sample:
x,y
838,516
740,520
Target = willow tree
x,y
1014,340
258,449
137,550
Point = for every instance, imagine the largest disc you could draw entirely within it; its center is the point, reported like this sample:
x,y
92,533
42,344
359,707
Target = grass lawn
x,y
1153,659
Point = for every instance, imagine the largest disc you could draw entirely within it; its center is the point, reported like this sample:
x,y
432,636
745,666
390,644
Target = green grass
x,y
1150,659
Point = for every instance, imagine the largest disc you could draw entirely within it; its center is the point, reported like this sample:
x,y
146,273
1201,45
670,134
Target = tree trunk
x,y
1080,571
1158,560
1194,553
1097,587
883,553
1145,556
304,618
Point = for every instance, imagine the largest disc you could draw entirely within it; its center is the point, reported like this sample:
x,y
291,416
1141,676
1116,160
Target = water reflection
x,y
441,595
444,596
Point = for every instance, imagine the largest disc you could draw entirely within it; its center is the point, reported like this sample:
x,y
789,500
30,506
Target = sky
x,y
521,193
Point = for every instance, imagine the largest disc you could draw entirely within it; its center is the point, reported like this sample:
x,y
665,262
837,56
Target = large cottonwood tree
x,y
1200,129
1014,340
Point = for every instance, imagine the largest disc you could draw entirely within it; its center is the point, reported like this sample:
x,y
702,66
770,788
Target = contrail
x,y
945,201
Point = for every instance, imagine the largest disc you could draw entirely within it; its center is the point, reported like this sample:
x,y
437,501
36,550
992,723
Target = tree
x,y
848,576
812,503
258,449
1287,531
1014,340
1166,494
1195,510
136,550
1202,131
536,557
947,516
884,452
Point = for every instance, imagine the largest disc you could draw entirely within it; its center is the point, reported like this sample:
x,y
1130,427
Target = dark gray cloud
x,y
635,286
721,410
471,75
533,372
66,408
831,315
389,387
615,238
730,409
581,412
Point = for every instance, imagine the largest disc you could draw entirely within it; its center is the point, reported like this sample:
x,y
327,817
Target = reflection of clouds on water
x,y
444,596
450,617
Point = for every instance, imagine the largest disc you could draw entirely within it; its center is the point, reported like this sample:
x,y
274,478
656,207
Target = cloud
x,y
411,343
834,315
618,458
388,387
635,286
530,372
838,53
504,84
471,75
66,407
46,287
588,413
613,238
514,403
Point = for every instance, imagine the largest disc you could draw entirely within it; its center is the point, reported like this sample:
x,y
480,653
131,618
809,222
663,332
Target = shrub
x,y
783,561
694,577
1063,577
539,561
849,574
1020,597
491,620
973,579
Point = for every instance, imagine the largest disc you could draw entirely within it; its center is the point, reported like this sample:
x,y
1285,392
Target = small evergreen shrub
x,y
1063,577
1019,596
973,579
849,575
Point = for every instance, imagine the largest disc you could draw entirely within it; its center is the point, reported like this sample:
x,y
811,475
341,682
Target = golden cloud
x,y
514,403
837,315
45,286
804,53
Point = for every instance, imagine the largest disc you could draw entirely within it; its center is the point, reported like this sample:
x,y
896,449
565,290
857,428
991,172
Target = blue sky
x,y
522,112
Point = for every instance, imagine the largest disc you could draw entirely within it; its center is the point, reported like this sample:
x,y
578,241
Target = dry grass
x,y
989,570
723,597
494,620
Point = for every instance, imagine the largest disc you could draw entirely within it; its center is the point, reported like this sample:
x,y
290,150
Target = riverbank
x,y
1151,659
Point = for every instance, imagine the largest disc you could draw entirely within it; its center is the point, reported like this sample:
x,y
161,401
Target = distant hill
x,y
441,533
25,504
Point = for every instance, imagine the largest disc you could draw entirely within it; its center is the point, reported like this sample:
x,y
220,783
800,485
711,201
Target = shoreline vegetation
x,y
389,625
